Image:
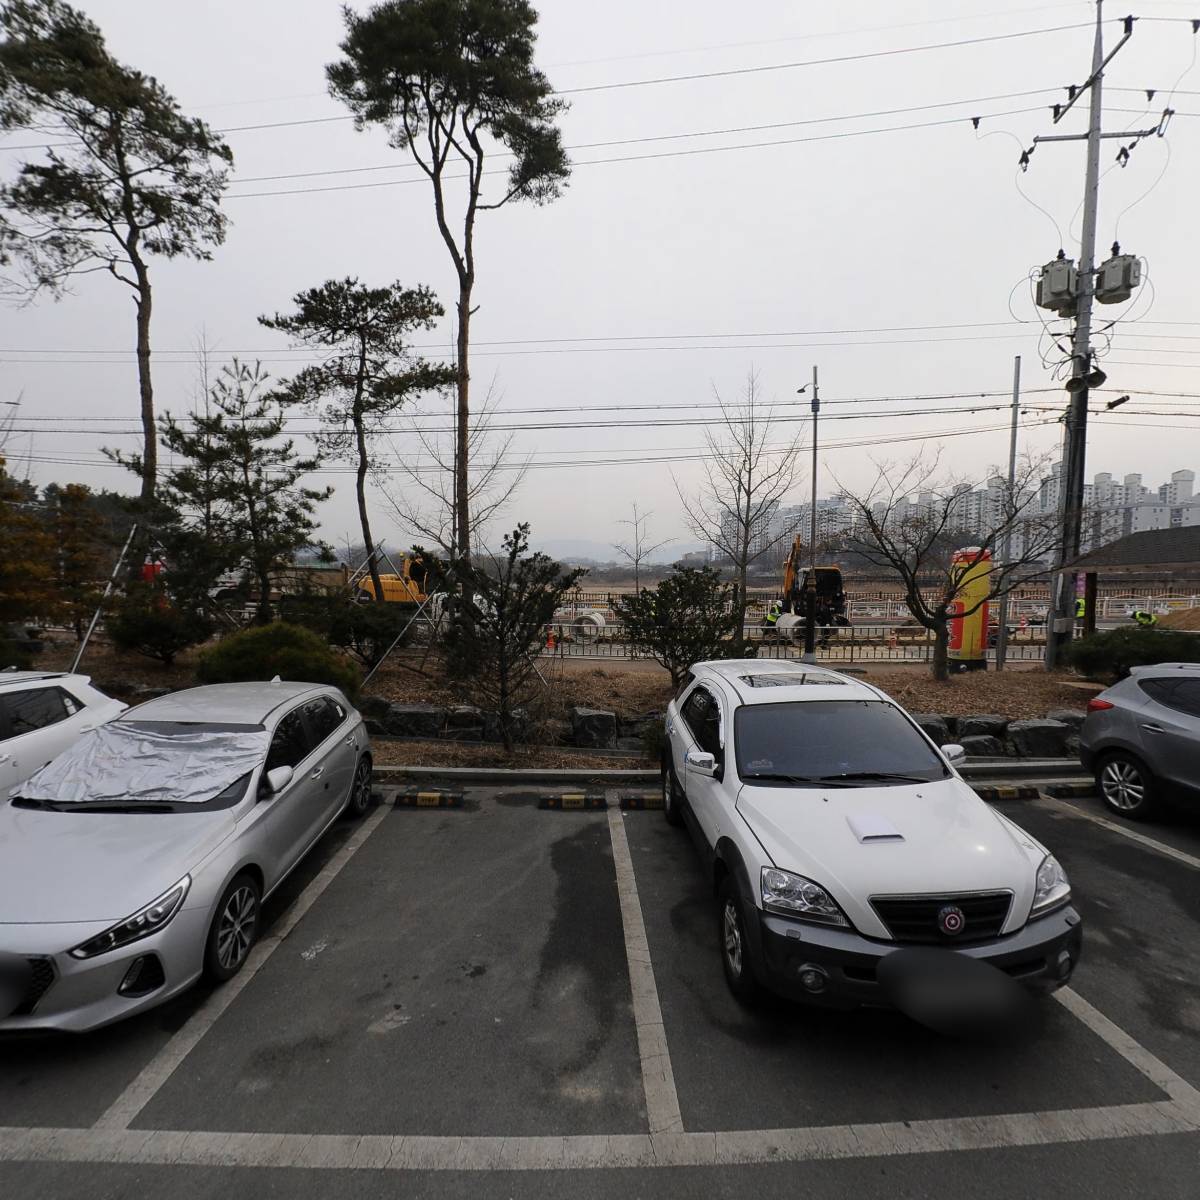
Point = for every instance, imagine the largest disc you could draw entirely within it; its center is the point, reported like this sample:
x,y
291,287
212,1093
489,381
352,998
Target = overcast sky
x,y
898,262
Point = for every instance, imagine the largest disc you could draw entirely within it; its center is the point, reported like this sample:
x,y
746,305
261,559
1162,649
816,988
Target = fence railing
x,y
853,643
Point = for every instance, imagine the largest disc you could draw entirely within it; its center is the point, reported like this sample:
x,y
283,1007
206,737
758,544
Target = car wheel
x,y
234,929
359,799
735,954
1126,787
672,796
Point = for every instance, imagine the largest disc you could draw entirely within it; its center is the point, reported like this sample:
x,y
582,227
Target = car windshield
x,y
832,743
149,766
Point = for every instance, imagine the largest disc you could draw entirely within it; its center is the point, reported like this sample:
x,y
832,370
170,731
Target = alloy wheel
x,y
360,795
235,933
1123,785
733,938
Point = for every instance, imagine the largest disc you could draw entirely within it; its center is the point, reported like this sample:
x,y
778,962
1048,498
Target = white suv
x,y
41,714
837,833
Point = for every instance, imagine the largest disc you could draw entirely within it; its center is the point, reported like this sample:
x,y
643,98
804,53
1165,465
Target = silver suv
x,y
1141,738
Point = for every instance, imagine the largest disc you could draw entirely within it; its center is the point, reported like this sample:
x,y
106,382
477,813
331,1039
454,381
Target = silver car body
x,y
41,714
1155,716
67,876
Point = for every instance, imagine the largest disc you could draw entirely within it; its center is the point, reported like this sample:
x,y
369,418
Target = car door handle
x,y
1153,728
352,741
317,773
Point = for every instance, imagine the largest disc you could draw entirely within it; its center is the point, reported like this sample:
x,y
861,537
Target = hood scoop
x,y
870,827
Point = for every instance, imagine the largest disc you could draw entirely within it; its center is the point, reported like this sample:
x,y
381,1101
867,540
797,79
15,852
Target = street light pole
x,y
810,590
1006,543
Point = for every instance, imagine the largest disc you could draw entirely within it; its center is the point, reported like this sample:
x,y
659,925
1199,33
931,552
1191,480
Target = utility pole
x,y
810,590
1006,545
1072,293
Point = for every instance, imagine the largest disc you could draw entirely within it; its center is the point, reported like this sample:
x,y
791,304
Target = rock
x,y
464,722
594,727
1038,739
114,687
1073,745
146,692
521,726
630,743
555,732
414,720
933,725
982,745
1071,717
374,726
984,726
637,726
374,706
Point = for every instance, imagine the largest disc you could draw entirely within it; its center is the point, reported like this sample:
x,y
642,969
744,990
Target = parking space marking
x,y
1132,835
658,1079
121,1113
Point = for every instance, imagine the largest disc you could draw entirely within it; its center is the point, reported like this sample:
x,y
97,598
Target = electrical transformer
x,y
1057,286
1117,277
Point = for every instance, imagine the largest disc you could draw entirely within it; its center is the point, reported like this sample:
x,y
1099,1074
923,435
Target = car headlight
x,y
1053,888
795,896
142,924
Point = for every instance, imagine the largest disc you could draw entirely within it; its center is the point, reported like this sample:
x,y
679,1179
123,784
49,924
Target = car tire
x,y
733,945
1126,787
672,796
234,928
359,799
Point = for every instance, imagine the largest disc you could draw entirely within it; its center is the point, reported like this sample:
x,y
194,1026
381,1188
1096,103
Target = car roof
x,y
1173,666
780,681
7,678
233,703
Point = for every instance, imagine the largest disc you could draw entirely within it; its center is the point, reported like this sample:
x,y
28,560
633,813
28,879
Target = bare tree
x,y
917,539
427,503
745,479
639,547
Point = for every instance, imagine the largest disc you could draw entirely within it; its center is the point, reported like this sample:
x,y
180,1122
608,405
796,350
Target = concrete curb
x,y
640,801
1070,791
461,776
577,801
423,799
992,793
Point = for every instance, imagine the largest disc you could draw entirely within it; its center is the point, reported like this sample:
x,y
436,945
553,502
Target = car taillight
x,y
1098,705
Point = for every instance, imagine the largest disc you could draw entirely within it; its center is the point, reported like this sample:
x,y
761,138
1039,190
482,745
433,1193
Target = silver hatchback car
x,y
139,859
1141,738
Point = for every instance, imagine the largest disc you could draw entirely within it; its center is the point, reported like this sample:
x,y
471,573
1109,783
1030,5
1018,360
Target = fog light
x,y
144,976
813,978
1065,965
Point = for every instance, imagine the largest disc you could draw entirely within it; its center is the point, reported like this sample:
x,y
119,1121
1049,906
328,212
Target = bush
x,y
1110,655
264,651
145,622
654,741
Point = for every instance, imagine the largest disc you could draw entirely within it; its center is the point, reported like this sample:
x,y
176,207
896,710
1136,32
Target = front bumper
x,y
1033,956
84,993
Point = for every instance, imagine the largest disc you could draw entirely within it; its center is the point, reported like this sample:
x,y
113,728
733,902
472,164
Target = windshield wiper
x,y
855,775
26,802
105,806
775,777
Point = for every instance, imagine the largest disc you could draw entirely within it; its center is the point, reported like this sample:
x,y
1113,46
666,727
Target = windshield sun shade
x,y
128,764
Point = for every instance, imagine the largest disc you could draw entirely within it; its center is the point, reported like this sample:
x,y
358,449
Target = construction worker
x,y
1146,620
773,614
1080,608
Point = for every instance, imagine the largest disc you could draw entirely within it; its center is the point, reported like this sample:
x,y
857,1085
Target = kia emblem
x,y
951,921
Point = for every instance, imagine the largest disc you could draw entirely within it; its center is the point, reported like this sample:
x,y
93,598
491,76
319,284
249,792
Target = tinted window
x,y
1158,689
1183,695
290,745
35,709
823,741
702,715
324,716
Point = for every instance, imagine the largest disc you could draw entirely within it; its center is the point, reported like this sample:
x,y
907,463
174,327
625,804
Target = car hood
x,y
888,841
71,867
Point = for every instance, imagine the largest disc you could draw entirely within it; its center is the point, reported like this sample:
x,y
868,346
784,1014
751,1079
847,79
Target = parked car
x,y
140,858
1141,739
836,833
41,714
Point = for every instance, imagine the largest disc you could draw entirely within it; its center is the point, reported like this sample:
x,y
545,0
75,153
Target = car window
x,y
1183,695
823,741
291,743
702,714
35,709
323,716
1158,689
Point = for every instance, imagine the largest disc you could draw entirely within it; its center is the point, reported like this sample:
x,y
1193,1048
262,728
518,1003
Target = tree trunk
x,y
360,486
462,507
941,645
262,613
145,387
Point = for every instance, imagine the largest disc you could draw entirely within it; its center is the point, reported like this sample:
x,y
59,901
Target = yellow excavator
x,y
831,593
407,588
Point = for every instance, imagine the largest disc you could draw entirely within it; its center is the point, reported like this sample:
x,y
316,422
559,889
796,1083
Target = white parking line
x,y
1188,860
658,1079
161,1067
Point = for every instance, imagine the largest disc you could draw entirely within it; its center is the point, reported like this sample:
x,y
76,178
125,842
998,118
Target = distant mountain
x,y
590,553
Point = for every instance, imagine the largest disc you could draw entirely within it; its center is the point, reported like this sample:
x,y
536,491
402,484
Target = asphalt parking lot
x,y
500,1001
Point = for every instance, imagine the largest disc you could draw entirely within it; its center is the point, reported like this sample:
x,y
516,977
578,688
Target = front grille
x,y
915,918
40,979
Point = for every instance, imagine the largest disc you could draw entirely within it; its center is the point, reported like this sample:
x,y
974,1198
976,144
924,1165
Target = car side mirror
x,y
701,762
955,754
278,779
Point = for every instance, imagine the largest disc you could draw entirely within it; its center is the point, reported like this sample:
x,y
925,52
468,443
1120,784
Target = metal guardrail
x,y
853,643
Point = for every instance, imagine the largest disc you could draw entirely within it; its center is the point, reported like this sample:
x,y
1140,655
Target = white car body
x,y
896,845
41,714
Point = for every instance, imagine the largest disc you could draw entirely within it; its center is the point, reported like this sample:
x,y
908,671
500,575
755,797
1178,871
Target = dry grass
x,y
451,754
1015,695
